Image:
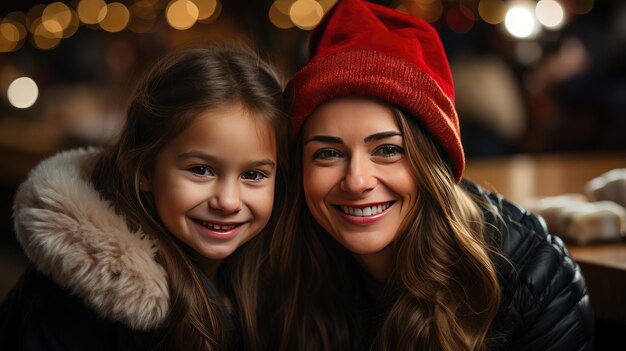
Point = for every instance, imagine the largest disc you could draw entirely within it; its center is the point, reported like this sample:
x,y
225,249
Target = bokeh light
x,y
144,9
72,28
116,18
520,20
328,4
580,7
283,5
42,38
56,17
550,13
428,10
306,14
278,18
11,35
181,14
460,19
492,11
91,11
206,8
215,13
23,92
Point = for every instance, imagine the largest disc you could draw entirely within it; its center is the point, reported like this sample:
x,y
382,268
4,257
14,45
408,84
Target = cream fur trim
x,y
74,236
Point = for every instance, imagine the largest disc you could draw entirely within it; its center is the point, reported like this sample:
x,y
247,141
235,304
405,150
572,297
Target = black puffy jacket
x,y
545,303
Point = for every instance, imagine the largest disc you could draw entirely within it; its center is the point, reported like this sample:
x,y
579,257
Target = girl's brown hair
x,y
443,292
164,103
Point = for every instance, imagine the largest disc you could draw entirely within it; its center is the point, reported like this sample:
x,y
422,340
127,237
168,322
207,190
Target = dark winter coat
x,y
93,284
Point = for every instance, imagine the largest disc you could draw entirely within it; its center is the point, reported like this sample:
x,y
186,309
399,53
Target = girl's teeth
x,y
217,226
365,211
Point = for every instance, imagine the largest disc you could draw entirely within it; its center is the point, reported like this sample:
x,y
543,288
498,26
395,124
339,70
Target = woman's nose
x,y
359,177
226,198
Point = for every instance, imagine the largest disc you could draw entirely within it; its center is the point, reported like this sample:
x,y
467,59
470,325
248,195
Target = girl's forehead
x,y
226,128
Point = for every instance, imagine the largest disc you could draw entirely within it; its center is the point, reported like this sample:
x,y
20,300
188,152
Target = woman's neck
x,y
379,264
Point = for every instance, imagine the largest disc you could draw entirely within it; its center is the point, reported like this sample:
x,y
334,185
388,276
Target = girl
x,y
384,246
155,241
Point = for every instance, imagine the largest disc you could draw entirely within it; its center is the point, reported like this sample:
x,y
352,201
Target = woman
x,y
385,246
154,242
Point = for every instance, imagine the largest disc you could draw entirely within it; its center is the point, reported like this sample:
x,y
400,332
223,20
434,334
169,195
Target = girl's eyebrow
x,y
261,163
211,159
196,154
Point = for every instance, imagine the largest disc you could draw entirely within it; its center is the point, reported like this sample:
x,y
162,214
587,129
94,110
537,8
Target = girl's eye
x,y
201,171
326,154
389,151
253,175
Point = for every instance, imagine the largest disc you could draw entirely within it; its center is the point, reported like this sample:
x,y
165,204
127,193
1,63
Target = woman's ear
x,y
145,184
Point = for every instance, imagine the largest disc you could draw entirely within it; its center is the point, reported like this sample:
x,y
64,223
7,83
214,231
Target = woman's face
x,y
356,177
213,184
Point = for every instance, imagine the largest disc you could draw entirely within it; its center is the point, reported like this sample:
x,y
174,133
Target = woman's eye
x,y
253,175
326,154
201,171
388,151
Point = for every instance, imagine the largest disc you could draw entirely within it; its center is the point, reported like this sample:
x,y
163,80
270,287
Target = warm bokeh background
x,y
531,77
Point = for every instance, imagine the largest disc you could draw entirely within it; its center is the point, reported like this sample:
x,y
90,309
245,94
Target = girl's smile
x,y
219,231
213,188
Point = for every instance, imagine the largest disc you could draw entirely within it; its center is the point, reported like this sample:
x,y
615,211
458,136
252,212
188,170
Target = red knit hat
x,y
365,49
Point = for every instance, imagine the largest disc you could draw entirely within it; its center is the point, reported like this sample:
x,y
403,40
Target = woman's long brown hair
x,y
165,102
443,293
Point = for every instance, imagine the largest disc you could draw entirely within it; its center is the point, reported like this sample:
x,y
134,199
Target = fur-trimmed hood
x,y
74,236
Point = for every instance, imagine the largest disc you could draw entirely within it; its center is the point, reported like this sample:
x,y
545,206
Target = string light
x,y
47,25
181,14
116,17
306,14
520,20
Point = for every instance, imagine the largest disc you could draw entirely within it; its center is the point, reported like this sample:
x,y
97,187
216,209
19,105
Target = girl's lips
x,y
220,231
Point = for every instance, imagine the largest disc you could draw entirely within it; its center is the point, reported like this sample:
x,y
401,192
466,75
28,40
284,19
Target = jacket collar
x,y
74,236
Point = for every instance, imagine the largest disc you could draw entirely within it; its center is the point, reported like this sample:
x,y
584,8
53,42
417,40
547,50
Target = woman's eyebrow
x,y
325,139
381,135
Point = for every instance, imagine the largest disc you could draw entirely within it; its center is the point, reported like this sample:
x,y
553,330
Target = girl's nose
x,y
226,198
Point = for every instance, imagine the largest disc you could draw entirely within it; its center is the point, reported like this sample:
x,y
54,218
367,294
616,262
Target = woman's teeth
x,y
365,211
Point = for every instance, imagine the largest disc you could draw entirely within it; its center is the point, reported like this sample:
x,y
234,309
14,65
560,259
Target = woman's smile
x,y
356,178
364,214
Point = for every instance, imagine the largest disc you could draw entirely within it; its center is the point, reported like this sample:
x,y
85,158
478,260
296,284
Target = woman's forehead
x,y
349,116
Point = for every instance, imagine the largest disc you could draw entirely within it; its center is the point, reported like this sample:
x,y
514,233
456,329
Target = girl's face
x,y
213,185
356,177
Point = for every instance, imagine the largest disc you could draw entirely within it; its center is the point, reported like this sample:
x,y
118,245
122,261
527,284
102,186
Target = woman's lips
x,y
364,214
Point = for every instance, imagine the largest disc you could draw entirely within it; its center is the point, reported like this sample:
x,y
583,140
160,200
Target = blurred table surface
x,y
524,177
